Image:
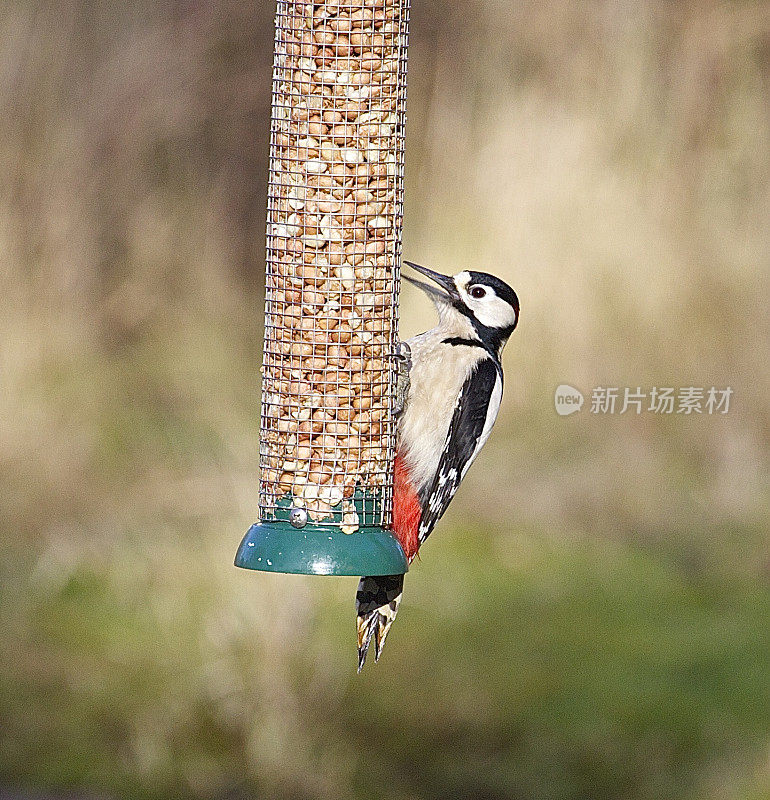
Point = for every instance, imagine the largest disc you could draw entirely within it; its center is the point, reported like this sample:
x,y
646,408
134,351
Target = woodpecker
x,y
455,384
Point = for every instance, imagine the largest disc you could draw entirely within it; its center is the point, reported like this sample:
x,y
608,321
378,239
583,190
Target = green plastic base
x,y
315,550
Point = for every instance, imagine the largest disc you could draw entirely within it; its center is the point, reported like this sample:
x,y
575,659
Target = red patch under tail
x,y
406,510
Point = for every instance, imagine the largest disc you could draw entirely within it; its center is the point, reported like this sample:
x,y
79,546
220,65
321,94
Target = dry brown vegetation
x,y
590,621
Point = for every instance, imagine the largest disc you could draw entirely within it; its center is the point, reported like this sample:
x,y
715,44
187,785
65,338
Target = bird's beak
x,y
448,290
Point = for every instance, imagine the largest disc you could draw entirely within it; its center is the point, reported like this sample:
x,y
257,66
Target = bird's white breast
x,y
436,380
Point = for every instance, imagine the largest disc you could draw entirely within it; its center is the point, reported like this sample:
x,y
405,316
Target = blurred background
x,y
591,619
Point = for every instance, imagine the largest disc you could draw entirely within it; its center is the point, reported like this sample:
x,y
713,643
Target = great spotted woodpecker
x,y
455,384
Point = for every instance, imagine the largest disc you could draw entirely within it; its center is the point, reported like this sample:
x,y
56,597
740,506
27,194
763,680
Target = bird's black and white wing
x,y
472,422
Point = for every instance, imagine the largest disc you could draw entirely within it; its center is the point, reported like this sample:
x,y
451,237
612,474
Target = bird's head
x,y
472,303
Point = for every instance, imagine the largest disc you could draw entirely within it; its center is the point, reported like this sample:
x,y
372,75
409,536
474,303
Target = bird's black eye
x,y
478,292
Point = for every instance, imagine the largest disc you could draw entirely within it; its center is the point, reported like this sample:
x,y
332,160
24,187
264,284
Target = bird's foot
x,y
403,367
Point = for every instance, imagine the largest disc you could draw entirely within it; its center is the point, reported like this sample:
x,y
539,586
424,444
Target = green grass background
x,y
591,618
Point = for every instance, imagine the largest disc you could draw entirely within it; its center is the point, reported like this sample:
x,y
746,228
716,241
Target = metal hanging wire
x,y
335,204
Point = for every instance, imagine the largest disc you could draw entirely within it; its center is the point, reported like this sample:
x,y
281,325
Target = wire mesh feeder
x,y
335,205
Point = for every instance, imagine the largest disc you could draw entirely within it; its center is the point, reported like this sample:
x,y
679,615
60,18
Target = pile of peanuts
x,y
334,225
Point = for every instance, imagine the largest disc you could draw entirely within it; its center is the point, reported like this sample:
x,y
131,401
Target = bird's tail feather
x,y
377,601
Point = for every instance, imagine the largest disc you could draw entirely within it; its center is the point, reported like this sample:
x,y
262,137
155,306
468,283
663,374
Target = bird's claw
x,y
403,367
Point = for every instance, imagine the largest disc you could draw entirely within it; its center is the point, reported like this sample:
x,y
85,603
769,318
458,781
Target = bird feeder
x,y
335,202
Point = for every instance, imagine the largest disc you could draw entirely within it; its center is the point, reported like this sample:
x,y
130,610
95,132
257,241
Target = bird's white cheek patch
x,y
495,313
